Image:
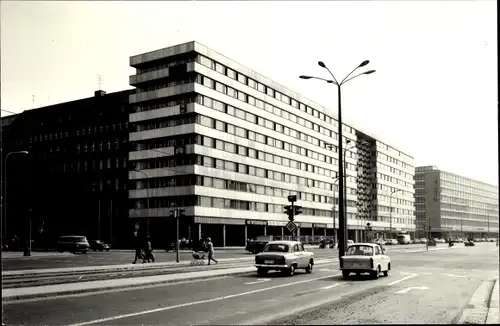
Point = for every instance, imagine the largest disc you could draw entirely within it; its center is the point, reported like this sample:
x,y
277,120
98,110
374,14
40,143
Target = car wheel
x,y
309,268
107,249
345,275
100,249
60,250
386,273
376,273
262,272
291,270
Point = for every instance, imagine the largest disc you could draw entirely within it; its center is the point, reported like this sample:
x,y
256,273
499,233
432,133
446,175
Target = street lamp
x,y
342,222
333,211
146,222
390,210
5,182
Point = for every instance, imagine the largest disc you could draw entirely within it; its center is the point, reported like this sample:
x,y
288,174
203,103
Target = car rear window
x,y
73,239
274,247
360,251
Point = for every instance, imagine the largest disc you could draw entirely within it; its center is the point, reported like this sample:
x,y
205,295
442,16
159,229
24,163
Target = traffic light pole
x,y
176,214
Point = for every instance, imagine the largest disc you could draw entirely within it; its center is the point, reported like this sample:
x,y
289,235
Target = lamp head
x,y
305,77
369,72
364,63
24,152
321,64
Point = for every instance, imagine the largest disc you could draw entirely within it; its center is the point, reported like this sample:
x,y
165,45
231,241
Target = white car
x,y
285,256
365,258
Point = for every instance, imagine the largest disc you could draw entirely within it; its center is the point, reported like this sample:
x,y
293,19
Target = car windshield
x,y
276,247
360,251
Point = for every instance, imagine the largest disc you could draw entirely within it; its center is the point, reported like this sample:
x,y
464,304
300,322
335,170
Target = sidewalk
x,y
494,307
48,291
20,254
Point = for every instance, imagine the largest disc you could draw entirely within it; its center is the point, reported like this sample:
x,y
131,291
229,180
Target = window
x,y
220,68
206,62
220,88
206,121
252,83
231,73
219,106
208,82
242,79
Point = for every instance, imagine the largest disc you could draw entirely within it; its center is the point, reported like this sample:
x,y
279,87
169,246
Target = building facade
x,y
74,179
228,146
454,205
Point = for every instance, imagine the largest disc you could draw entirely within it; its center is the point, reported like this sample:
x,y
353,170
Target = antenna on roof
x,y
99,81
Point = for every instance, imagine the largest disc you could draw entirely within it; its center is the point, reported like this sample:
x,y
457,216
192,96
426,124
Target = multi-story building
x,y
228,146
74,179
455,205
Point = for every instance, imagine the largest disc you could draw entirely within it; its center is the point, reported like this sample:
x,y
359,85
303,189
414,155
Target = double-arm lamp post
x,y
342,221
390,211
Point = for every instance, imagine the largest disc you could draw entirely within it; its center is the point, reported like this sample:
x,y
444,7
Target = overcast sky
x,y
434,94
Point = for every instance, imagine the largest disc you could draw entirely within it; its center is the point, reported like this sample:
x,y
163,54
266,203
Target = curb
x,y
476,310
52,295
494,308
177,278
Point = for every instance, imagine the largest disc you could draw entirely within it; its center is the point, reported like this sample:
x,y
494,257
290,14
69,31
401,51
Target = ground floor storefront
x,y
226,232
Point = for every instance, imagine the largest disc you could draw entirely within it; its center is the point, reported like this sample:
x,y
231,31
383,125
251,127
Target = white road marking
x,y
259,280
413,288
453,275
330,286
425,273
187,304
401,280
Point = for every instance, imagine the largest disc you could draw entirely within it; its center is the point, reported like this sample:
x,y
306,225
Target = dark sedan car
x,y
98,245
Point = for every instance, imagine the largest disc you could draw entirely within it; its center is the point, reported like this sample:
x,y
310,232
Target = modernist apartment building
x,y
228,146
455,205
74,179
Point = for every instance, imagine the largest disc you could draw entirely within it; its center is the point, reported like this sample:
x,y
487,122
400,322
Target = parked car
x,y
98,245
285,256
257,245
73,243
469,243
391,242
349,243
365,258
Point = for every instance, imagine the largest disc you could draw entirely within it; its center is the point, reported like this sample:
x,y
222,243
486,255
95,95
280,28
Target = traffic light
x,y
288,211
297,210
176,213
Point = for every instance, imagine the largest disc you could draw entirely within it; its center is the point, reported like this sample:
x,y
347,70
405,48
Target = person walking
x,y
211,251
148,251
137,245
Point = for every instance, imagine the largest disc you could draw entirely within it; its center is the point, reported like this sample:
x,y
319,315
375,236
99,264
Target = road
x,y
439,285
126,257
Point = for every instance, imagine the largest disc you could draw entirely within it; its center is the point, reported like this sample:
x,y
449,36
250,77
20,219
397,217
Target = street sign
x,y
291,226
292,198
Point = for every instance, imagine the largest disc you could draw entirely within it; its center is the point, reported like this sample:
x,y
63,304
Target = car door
x,y
304,257
379,258
297,255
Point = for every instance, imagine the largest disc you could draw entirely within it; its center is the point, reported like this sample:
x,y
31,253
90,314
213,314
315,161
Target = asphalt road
x,y
125,257
443,281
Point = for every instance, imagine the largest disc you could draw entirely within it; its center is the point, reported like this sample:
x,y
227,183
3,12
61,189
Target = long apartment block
x,y
228,146
454,205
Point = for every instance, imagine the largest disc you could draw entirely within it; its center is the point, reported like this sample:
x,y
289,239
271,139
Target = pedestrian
x,y
138,249
211,252
148,252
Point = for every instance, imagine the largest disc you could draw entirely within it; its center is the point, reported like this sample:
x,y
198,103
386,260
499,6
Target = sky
x,y
434,94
